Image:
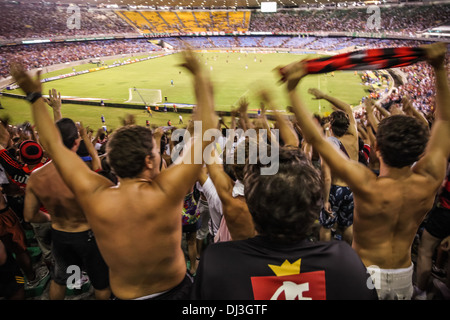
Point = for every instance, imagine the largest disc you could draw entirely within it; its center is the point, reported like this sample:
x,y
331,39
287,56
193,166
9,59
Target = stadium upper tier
x,y
22,20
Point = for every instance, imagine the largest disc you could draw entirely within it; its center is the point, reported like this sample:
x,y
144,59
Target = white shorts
x,y
392,284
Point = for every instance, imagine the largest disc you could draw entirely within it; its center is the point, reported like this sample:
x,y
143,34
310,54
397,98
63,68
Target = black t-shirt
x,y
257,269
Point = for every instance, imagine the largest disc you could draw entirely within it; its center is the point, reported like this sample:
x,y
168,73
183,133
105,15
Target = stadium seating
x,y
137,20
50,20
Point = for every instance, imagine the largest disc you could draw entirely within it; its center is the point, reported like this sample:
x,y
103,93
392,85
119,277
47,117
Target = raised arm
x,y
434,161
157,134
179,178
77,176
96,162
54,101
355,174
287,132
373,121
337,104
410,110
383,112
244,121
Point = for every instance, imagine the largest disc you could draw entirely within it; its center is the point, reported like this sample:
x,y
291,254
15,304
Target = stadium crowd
x,y
350,196
393,20
30,21
44,55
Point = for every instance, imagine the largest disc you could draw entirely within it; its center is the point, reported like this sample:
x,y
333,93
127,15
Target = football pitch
x,y
234,75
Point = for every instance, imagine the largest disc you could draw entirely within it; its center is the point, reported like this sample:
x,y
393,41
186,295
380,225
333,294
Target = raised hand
x,y
158,133
436,54
54,99
292,73
191,62
406,104
243,105
316,93
395,109
81,129
24,80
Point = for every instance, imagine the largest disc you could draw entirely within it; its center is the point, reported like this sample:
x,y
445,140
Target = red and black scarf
x,y
370,59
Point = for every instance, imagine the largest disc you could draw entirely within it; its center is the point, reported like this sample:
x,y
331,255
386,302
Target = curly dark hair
x,y
401,140
127,148
339,122
284,206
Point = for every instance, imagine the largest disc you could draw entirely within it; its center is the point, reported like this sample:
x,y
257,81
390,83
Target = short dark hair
x,y
69,131
127,148
82,149
401,140
339,123
285,205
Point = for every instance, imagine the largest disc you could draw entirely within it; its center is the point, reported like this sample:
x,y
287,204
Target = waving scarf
x,y
370,59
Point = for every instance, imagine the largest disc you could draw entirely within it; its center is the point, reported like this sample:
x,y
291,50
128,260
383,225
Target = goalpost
x,y
144,96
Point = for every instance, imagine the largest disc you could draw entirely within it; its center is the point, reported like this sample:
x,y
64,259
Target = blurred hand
x,y
436,54
158,133
292,73
316,93
81,129
190,61
23,79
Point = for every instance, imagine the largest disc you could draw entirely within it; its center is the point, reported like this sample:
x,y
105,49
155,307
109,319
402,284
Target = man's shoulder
x,y
43,170
302,247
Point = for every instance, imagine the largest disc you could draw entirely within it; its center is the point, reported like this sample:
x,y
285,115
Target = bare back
x,y
138,231
48,186
386,221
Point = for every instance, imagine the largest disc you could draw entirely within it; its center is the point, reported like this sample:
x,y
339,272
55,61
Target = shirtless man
x,y
338,198
389,208
72,238
137,224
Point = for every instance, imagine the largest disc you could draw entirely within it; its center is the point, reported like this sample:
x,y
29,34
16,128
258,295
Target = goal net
x,y
144,96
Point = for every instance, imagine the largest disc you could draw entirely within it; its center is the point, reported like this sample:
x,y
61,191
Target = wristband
x,y
33,96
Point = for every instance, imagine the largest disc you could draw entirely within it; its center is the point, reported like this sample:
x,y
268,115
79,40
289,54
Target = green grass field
x,y
234,75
